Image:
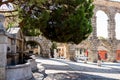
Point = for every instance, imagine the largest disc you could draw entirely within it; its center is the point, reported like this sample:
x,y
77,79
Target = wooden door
x,y
118,55
102,54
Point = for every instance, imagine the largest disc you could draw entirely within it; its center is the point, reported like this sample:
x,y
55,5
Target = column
x,y
111,27
112,40
93,55
71,51
65,55
94,33
3,49
39,50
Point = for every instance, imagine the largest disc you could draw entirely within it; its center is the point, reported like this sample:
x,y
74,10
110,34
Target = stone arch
x,y
117,25
45,44
40,47
102,8
101,24
94,18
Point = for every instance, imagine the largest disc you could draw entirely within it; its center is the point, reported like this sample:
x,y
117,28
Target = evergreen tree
x,y
58,20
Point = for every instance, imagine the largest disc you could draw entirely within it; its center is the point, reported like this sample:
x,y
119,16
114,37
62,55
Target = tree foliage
x,y
58,20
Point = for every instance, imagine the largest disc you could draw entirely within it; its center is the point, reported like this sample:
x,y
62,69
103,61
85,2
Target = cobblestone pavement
x,y
58,69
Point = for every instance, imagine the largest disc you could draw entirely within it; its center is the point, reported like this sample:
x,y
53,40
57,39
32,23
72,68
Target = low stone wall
x,y
19,72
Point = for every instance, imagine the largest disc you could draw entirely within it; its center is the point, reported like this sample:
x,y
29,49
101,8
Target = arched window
x,y
117,25
102,23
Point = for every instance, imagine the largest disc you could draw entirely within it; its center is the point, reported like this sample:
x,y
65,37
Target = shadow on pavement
x,y
90,69
75,76
57,67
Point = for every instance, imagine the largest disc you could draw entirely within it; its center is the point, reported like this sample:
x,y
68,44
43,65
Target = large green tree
x,y
57,20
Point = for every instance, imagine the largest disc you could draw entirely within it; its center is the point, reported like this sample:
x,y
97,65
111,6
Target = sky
x,y
101,24
117,18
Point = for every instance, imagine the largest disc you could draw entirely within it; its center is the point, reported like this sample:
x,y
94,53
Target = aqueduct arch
x,y
110,9
102,24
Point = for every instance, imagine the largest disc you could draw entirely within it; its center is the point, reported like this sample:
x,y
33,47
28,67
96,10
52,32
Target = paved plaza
x,y
59,69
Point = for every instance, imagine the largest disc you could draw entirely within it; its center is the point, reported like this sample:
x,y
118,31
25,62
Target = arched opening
x,y
33,48
117,29
102,23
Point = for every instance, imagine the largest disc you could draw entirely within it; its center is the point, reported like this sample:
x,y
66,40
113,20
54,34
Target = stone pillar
x,y
67,51
3,49
111,27
71,51
94,33
39,49
112,35
93,55
65,55
114,53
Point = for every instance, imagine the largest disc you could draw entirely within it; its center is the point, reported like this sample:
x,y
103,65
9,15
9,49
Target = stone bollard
x,y
85,60
99,63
